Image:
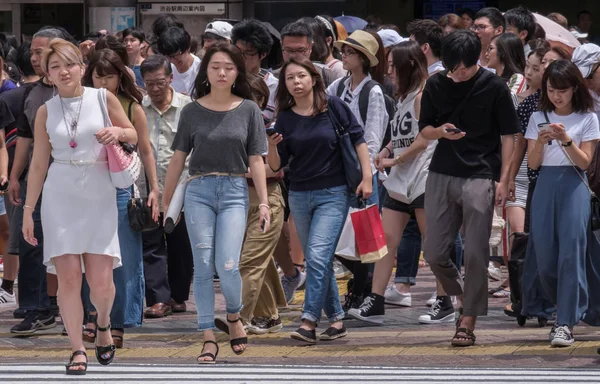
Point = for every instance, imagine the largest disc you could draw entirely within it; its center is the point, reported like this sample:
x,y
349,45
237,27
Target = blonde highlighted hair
x,y
64,50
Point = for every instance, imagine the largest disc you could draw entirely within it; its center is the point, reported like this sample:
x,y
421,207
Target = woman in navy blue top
x,y
318,194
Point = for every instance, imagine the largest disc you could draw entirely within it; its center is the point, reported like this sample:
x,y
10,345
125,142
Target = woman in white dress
x,y
79,209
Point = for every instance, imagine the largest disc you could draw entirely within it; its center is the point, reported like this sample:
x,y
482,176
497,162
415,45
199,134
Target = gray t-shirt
x,y
221,141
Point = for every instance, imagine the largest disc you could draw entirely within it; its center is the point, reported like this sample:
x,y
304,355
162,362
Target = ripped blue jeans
x,y
216,210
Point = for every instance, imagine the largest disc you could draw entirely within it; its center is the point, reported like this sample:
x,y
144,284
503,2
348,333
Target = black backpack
x,y
363,104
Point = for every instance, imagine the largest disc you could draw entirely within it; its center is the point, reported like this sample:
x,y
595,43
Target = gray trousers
x,y
449,203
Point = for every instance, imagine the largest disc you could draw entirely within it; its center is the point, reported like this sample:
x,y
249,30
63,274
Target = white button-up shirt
x,y
377,116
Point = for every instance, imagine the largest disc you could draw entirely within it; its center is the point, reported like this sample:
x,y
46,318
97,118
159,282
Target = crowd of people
x,y
469,113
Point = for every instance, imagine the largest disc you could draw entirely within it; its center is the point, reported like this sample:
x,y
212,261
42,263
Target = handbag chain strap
x,y
587,185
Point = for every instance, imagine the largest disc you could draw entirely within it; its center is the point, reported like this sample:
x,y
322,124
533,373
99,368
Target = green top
x,y
126,103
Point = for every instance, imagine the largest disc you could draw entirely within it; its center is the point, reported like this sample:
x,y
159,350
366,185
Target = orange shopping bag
x,y
369,235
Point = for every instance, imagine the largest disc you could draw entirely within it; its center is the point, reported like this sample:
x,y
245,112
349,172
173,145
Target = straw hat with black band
x,y
363,42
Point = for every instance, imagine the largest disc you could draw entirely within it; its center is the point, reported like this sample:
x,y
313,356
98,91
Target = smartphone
x,y
544,127
4,187
271,131
453,130
263,225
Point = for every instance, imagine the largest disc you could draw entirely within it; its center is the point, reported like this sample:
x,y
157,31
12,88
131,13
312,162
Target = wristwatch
x,y
567,144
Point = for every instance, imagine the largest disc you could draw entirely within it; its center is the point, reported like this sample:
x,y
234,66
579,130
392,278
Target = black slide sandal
x,y
105,349
72,364
208,354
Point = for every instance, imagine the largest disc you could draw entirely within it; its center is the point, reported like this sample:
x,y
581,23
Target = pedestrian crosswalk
x,y
270,374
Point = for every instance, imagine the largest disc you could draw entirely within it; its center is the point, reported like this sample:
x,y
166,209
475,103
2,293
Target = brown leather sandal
x,y
464,337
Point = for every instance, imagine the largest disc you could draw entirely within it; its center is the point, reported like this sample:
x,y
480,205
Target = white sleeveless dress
x,y
79,205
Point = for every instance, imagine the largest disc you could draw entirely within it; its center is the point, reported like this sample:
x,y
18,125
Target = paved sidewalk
x,y
400,342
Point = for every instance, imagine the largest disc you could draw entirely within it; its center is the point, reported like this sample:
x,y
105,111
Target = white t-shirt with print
x,y
184,82
580,127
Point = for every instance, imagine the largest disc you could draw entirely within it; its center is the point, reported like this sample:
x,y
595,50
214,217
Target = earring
x,y
233,85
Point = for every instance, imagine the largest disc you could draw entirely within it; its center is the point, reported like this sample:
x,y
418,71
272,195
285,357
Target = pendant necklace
x,y
71,128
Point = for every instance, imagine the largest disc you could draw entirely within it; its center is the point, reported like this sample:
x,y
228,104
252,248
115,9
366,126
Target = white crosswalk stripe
x,y
265,374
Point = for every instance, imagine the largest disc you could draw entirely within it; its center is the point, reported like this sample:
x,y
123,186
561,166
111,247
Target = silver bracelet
x,y
264,205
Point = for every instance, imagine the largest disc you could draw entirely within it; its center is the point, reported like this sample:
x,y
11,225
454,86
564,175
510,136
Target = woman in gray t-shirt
x,y
224,132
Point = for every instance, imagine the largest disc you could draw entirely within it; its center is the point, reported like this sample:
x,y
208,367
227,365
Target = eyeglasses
x,y
159,83
249,55
591,75
479,27
348,53
291,51
175,56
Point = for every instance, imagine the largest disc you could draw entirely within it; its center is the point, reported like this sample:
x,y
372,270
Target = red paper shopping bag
x,y
368,231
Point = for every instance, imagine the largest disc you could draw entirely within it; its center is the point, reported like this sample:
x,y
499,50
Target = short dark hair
x,y
320,50
410,65
259,89
494,15
536,44
559,19
522,19
165,21
114,44
154,63
563,74
138,33
297,29
511,54
467,11
24,59
427,32
254,33
462,46
173,41
584,12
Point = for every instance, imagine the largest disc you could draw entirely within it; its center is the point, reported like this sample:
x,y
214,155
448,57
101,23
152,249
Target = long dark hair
x,y
511,54
113,43
284,98
242,86
107,62
378,72
563,74
410,65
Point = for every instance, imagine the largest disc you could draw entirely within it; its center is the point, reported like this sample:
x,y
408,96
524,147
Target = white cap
x,y
390,37
585,57
220,28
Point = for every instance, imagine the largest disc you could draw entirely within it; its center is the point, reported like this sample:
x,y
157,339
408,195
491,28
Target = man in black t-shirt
x,y
470,111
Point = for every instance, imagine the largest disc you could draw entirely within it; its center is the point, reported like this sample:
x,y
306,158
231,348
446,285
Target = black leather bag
x,y
140,215
352,167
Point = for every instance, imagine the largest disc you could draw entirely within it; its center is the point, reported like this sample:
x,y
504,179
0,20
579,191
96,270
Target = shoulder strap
x,y
339,130
363,99
129,115
341,85
546,117
104,107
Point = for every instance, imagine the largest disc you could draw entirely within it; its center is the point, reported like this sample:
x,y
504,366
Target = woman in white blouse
x,y
562,137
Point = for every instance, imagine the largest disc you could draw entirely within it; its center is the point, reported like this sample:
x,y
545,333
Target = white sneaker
x,y
432,299
6,299
563,337
395,297
494,273
339,270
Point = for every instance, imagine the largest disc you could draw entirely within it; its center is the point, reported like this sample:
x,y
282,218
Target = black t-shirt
x,y
11,108
488,114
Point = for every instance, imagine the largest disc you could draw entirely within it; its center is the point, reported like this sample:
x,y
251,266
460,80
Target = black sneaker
x,y
371,310
54,310
34,321
305,335
441,311
333,333
262,326
352,301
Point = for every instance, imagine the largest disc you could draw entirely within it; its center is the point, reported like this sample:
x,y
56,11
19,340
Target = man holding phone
x,y
470,111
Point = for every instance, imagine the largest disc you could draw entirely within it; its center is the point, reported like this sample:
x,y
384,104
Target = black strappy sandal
x,y
118,339
105,349
208,354
219,323
90,338
77,364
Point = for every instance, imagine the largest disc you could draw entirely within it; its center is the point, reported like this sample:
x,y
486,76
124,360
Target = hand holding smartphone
x,y
453,130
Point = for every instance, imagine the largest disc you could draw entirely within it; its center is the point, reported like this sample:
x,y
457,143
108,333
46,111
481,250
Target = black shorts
x,y
398,206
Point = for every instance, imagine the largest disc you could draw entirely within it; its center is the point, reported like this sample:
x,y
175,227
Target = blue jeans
x,y
409,251
319,216
128,307
216,211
